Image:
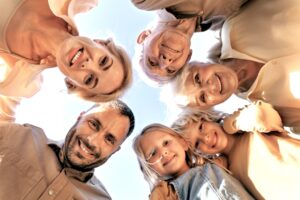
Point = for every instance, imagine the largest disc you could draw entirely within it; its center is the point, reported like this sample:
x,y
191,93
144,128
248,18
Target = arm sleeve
x,y
163,191
8,107
256,117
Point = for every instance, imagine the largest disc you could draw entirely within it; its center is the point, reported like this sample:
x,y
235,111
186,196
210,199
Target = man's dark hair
x,y
124,110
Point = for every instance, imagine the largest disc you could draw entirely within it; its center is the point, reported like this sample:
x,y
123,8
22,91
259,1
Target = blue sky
x,y
55,111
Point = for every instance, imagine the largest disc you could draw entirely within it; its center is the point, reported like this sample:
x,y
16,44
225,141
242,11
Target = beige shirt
x,y
30,169
269,32
267,165
206,8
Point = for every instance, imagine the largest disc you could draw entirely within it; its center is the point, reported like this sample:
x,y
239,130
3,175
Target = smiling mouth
x,y
169,160
76,56
84,147
214,142
220,83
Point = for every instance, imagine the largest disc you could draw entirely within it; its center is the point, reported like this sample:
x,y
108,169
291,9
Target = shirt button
x,y
51,192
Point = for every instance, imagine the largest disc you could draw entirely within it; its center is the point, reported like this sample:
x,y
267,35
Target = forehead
x,y
153,137
110,119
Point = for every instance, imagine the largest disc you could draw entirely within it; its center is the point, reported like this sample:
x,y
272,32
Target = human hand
x,y
256,117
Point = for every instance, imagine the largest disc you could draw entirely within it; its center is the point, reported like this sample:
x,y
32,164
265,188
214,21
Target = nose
x,y
165,59
165,153
204,138
94,139
84,63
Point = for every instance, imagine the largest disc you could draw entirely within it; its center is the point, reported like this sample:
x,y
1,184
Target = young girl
x,y
266,164
168,164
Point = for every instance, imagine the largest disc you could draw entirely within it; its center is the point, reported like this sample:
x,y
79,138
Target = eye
x,y
88,79
103,61
152,62
202,98
197,79
201,127
170,71
166,142
110,139
151,155
94,125
197,144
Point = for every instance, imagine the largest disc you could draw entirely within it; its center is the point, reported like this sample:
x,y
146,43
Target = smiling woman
x,y
96,68
203,85
99,70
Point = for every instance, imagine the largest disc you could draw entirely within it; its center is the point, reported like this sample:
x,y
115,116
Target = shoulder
x,y
163,191
16,134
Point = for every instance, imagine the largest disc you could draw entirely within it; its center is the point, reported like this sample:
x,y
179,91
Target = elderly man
x,y
165,47
32,167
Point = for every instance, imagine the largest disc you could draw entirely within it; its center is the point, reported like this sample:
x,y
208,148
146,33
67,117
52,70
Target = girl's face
x,y
164,153
93,66
209,85
165,51
207,137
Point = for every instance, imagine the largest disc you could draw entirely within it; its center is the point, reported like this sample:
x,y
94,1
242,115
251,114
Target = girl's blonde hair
x,y
127,80
150,175
190,116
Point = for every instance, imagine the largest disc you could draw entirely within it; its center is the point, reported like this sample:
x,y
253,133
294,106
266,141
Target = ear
x,y
70,84
142,36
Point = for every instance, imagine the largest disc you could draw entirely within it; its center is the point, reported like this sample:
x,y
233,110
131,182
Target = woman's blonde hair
x,y
127,80
150,175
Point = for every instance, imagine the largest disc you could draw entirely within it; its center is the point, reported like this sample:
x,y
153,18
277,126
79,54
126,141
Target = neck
x,y
231,139
46,40
186,25
40,37
246,70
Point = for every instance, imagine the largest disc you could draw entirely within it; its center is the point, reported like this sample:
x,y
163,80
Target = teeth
x,y
82,146
76,57
219,83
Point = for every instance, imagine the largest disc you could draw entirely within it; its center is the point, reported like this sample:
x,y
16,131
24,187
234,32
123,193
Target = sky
x,y
55,111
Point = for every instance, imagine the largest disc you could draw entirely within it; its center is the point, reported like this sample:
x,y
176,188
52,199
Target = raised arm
x,y
258,116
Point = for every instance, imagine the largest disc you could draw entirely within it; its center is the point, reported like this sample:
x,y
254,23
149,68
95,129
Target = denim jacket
x,y
209,182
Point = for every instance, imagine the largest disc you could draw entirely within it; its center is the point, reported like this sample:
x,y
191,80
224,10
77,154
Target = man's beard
x,y
67,154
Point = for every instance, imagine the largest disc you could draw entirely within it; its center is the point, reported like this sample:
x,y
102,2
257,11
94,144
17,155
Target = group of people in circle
x,y
205,154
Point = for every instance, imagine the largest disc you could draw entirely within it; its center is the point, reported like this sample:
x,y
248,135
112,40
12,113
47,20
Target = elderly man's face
x,y
165,51
95,138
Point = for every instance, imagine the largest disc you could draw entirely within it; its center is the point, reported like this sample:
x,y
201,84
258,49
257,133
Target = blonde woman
x,y
96,70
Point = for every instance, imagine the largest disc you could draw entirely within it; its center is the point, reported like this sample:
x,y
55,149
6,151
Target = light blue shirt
x,y
209,182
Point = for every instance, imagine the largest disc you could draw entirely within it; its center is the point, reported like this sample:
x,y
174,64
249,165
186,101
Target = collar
x,y
56,146
170,15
